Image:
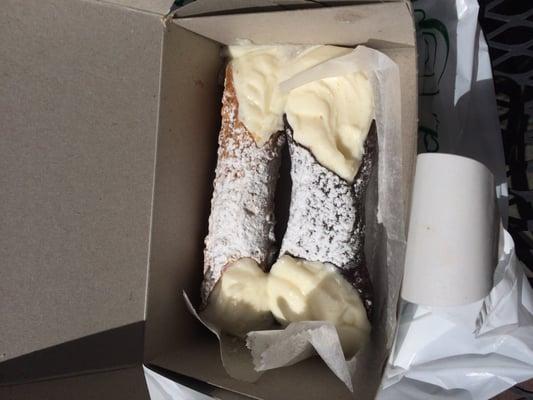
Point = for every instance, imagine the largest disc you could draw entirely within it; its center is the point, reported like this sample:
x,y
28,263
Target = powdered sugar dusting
x,y
241,223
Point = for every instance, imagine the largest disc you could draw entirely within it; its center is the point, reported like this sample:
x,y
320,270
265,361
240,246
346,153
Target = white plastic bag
x,y
457,102
477,350
470,352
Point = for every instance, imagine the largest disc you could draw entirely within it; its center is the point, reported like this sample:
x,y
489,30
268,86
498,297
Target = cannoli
x,y
239,245
327,218
321,274
241,223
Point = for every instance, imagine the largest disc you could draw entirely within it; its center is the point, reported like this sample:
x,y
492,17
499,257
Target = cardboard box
x,y
110,115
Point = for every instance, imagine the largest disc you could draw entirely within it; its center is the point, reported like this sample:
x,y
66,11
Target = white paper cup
x,y
452,240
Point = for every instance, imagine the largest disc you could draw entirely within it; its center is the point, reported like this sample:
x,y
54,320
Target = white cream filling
x,y
330,117
246,299
300,290
257,73
238,303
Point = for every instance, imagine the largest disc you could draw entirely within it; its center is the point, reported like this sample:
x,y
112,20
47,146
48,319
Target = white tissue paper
x,y
384,251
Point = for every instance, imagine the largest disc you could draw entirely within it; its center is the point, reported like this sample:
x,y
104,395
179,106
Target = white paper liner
x,y
237,360
384,242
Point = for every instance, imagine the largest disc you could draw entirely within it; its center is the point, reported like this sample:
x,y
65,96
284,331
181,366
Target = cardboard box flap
x,y
79,102
380,25
160,7
104,350
121,384
204,7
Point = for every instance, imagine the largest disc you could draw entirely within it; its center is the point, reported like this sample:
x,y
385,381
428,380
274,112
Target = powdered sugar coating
x,y
327,220
241,223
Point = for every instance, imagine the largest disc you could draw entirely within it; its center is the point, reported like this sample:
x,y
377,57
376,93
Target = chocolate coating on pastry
x,y
241,223
327,216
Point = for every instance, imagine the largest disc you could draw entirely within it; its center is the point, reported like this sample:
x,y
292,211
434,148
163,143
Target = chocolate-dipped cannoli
x,y
327,216
321,274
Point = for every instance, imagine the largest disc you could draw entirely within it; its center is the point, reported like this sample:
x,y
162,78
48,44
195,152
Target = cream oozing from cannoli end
x,y
331,117
257,74
238,303
247,299
300,290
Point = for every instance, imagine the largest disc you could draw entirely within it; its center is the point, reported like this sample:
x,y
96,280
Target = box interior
x,y
309,379
186,155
